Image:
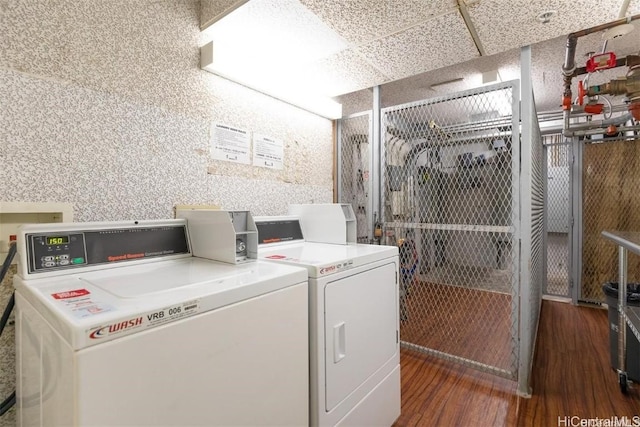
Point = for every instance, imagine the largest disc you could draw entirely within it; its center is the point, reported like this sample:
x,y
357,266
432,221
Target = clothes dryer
x,y
353,319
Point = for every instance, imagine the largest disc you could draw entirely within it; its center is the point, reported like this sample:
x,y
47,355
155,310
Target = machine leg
x,y
623,381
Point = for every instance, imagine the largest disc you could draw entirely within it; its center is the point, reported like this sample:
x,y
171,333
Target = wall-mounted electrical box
x,y
227,236
327,222
14,214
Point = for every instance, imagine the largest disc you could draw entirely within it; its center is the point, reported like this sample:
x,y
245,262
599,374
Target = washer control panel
x,y
59,250
72,249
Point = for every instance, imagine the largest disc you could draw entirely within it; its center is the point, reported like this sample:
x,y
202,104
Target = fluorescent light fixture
x,y
264,45
270,85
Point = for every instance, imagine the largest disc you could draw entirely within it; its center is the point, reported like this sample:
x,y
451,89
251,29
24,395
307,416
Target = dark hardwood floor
x,y
479,319
571,378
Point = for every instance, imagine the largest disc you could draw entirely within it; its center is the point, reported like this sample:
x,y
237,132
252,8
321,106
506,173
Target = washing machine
x,y
118,324
353,313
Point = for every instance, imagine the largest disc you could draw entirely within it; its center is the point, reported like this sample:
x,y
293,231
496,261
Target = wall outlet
x,y
14,214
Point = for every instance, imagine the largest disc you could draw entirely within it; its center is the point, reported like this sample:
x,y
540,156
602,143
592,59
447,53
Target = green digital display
x,y
57,240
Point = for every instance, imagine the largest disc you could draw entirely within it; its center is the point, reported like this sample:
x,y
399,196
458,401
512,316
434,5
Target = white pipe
x,y
604,131
570,131
576,111
623,9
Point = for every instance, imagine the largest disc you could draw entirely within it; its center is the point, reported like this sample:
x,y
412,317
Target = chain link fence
x,y
449,194
467,209
611,201
532,225
354,166
558,215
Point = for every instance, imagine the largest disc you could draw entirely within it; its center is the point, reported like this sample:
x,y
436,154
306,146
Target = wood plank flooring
x,y
471,323
571,377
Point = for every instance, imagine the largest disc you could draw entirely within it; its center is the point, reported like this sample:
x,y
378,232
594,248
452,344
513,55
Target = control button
x,y
49,264
64,262
47,258
65,256
79,260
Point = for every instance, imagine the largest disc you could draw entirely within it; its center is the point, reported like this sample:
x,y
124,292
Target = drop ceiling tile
x,y
634,8
505,24
437,43
360,21
343,73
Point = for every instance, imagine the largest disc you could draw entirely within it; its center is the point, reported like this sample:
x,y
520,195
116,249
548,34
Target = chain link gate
x,y
610,201
558,206
450,187
354,166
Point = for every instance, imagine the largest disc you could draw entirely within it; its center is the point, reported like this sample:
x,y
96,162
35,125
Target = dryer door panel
x,y
360,329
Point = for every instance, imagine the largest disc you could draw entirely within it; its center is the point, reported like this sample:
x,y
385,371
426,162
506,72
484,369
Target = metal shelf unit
x,y
633,319
626,241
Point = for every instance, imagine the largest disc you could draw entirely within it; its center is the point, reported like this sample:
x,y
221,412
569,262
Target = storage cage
x,y
608,198
558,204
354,166
461,192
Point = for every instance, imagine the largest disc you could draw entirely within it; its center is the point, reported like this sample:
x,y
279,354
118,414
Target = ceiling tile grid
x,y
361,21
409,45
441,41
505,24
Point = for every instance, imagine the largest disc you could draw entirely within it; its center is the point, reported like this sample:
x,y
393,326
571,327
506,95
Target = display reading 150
x,y
57,240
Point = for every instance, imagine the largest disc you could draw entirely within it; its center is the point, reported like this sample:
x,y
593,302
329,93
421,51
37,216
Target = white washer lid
x,y
93,307
166,277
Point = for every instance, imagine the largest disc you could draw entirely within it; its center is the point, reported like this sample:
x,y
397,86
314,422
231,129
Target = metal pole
x,y
373,182
525,194
340,191
575,249
545,213
516,295
376,157
622,297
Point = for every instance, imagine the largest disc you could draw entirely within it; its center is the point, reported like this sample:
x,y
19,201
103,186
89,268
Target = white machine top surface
x,y
322,259
88,307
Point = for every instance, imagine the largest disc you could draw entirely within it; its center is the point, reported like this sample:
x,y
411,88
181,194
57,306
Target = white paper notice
x,y
230,144
267,152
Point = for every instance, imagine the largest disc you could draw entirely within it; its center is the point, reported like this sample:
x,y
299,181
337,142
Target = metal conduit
x,y
603,131
569,66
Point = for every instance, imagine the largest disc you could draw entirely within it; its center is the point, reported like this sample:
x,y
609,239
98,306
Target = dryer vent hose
x,y
11,400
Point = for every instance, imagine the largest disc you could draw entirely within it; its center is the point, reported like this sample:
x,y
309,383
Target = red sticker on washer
x,y
70,294
276,257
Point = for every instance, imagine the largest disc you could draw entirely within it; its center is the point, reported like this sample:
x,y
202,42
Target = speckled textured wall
x,y
103,105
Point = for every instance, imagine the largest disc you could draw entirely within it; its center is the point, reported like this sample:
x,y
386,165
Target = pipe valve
x,y
629,86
